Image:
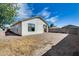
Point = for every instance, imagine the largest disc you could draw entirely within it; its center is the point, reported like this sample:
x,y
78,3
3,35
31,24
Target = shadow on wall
x,y
69,46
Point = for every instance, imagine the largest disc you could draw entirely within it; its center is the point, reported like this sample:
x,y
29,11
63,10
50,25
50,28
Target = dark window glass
x,y
31,27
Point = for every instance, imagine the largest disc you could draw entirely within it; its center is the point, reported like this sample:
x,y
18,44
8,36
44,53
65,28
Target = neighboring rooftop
x,y
54,27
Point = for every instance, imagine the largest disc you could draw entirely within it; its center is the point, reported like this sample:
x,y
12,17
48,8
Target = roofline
x,y
31,19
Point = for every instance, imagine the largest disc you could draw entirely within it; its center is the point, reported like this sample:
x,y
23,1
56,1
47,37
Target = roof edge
x,y
30,19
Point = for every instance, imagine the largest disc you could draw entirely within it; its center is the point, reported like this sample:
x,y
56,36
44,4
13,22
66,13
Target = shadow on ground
x,y
69,46
10,33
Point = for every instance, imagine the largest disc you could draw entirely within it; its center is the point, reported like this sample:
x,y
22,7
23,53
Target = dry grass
x,y
17,45
20,46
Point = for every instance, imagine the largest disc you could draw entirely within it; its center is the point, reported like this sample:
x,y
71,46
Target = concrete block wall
x,y
64,30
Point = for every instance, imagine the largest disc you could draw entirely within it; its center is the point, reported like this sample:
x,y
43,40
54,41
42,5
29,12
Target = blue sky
x,y
60,14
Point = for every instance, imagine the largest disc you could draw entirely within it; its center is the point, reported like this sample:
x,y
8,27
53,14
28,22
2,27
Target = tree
x,y
7,14
51,25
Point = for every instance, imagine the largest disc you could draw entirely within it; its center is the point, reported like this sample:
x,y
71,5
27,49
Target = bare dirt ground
x,y
28,45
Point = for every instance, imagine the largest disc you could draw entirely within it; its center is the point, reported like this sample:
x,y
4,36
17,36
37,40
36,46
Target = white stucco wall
x,y
17,29
38,27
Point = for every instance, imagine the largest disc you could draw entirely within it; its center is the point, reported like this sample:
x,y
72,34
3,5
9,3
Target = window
x,y
31,27
45,28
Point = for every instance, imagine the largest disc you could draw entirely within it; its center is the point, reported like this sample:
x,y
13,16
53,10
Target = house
x,y
35,25
71,29
55,29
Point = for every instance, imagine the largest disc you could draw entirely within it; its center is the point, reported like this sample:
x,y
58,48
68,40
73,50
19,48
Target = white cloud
x,y
46,8
52,19
44,13
24,11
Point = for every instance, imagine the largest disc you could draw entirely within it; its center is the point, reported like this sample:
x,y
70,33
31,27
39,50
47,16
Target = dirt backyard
x,y
29,45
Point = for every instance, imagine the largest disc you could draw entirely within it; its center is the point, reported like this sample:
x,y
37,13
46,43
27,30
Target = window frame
x,y
44,26
32,26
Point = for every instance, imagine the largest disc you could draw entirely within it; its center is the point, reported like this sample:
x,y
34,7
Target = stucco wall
x,y
17,29
38,27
